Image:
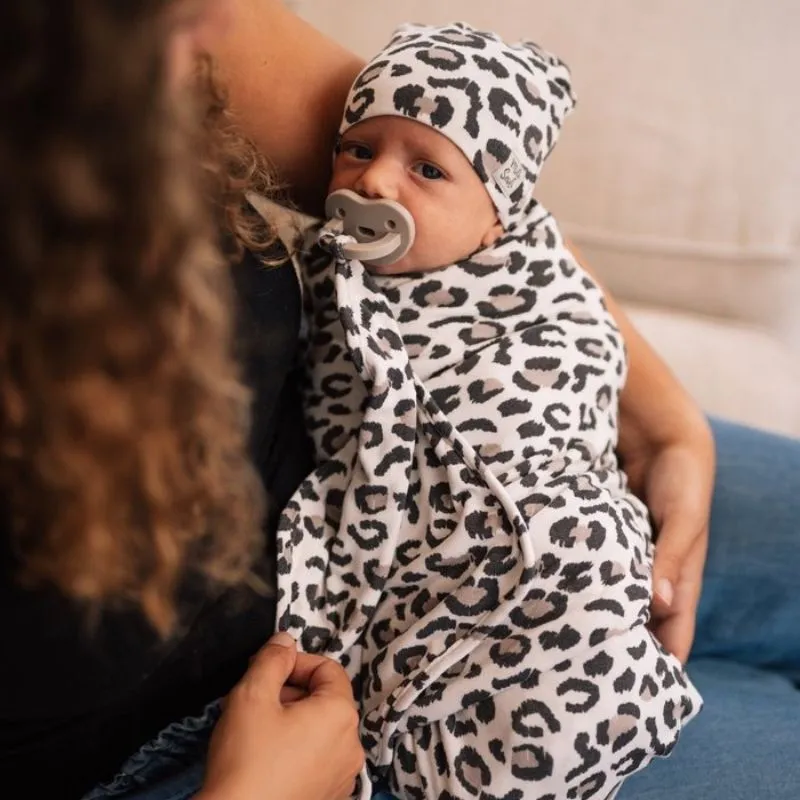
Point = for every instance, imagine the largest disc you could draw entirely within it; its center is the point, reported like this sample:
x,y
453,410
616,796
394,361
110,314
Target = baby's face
x,y
399,159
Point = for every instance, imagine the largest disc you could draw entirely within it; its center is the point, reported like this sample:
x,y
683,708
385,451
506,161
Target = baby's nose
x,y
378,181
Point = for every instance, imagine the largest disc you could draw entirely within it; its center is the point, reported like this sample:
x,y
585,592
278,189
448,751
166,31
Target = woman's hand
x,y
289,730
673,472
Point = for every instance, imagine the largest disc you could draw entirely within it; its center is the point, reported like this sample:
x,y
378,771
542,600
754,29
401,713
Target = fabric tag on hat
x,y
509,176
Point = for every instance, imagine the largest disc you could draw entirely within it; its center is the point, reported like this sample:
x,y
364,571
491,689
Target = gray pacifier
x,y
383,230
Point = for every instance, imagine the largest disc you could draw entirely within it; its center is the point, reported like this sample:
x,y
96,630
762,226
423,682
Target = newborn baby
x,y
467,546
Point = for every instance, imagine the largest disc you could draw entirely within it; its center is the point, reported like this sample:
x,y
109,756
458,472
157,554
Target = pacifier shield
x,y
383,229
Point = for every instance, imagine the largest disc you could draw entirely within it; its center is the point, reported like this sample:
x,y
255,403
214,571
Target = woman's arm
x,y
287,84
668,454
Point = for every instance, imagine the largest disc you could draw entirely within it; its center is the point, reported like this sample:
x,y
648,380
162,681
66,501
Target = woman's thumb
x,y
274,663
674,544
283,639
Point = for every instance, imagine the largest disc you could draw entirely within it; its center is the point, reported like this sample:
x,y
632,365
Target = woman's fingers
x,y
271,667
291,694
674,624
677,543
320,676
678,486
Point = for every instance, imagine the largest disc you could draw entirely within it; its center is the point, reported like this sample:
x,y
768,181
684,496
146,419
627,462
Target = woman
x,y
132,562
131,554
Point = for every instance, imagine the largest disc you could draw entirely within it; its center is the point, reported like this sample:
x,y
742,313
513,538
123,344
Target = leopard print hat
x,y
502,104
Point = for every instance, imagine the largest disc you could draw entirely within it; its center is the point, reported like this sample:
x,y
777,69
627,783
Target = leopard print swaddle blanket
x,y
467,547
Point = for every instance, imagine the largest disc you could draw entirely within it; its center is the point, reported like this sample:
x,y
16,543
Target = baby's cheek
x,y
425,247
338,180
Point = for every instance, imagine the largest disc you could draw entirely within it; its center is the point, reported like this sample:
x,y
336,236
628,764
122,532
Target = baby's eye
x,y
358,151
429,171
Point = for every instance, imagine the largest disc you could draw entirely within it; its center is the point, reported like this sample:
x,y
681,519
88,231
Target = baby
x,y
467,546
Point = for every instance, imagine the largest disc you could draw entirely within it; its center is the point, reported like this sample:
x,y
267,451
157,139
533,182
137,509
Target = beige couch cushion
x,y
739,371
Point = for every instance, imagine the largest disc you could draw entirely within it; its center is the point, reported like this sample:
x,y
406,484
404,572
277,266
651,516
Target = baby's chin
x,y
411,265
404,266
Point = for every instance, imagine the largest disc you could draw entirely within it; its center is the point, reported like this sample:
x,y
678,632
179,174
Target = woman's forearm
x,y
287,84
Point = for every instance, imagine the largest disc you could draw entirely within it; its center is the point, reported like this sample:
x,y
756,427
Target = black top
x,y
74,704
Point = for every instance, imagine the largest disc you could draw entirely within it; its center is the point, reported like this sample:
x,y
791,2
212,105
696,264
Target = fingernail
x,y
283,639
665,591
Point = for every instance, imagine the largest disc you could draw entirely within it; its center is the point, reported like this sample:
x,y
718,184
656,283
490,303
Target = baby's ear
x,y
493,234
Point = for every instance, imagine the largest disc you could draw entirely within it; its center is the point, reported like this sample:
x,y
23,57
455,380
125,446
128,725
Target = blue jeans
x,y
168,768
746,661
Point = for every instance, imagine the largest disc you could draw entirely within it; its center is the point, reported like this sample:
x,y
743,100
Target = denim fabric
x,y
168,768
743,746
750,608
746,660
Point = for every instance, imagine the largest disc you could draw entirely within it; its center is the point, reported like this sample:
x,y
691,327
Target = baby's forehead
x,y
403,130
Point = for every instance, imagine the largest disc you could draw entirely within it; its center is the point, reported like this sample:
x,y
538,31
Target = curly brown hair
x,y
123,420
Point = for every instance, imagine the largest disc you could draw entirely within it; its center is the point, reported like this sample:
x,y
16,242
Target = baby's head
x,y
454,124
